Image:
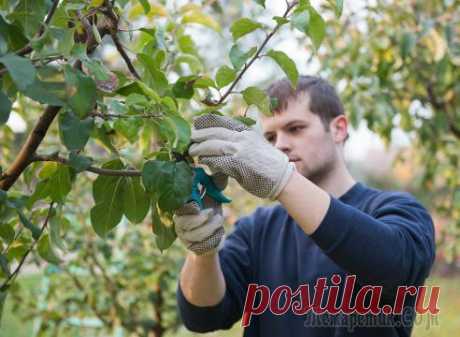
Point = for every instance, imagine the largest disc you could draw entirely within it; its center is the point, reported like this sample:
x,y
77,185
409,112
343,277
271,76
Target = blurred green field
x,y
447,323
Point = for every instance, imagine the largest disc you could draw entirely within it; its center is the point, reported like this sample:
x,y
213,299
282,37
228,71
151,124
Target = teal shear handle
x,y
203,185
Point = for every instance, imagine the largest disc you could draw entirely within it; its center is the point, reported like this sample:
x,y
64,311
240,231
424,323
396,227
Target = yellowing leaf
x,y
157,10
435,44
96,3
198,17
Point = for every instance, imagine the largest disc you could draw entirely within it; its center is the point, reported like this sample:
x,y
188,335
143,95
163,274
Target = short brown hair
x,y
324,100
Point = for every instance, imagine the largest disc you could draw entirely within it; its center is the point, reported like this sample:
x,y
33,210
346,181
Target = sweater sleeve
x,y
235,260
391,246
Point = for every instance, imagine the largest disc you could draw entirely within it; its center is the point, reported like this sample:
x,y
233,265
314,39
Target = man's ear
x,y
339,128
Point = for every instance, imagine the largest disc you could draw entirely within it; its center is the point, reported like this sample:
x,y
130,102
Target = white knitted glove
x,y
201,231
228,146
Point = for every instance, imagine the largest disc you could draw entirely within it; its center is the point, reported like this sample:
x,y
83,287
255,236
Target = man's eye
x,y
295,129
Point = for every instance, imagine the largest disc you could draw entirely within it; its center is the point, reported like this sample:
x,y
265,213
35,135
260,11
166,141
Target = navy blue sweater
x,y
384,238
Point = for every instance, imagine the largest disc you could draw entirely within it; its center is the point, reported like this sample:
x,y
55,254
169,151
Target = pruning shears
x,y
203,185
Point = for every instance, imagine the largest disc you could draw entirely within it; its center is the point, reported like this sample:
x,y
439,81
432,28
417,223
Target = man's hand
x,y
201,230
227,146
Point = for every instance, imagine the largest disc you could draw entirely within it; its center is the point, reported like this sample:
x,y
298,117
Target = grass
x,y
447,323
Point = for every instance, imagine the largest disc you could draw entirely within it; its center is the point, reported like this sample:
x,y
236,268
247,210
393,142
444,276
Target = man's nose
x,y
283,143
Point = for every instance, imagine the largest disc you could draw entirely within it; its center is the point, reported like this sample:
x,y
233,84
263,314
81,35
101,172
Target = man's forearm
x,y
305,202
202,281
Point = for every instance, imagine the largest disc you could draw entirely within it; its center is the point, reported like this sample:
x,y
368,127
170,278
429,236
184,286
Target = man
x,y
325,224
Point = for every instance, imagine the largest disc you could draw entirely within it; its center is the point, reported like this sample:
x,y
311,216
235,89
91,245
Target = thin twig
x,y
124,55
110,14
107,116
256,55
97,170
28,48
30,146
13,275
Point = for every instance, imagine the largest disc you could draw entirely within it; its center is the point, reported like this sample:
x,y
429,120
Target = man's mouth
x,y
293,160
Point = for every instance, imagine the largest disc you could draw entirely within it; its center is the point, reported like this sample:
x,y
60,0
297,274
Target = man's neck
x,y
338,181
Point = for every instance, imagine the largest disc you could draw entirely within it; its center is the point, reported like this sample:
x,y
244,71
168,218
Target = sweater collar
x,y
352,193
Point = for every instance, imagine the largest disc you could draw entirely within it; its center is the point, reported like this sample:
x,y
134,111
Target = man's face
x,y
302,136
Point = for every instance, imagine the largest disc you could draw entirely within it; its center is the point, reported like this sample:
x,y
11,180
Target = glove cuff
x,y
290,168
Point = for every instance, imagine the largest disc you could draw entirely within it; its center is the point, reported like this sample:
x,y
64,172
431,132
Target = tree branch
x,y
41,128
124,55
28,149
13,275
110,14
28,48
108,116
97,170
256,55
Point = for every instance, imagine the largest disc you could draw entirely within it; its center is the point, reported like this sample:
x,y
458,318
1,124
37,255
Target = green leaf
x,y
286,64
12,34
42,190
45,250
260,2
36,232
243,26
316,27
60,184
52,93
145,4
408,43
246,120
239,57
29,14
5,108
225,75
192,61
135,200
79,163
169,182
257,97
108,194
104,186
129,128
300,20
187,45
57,225
4,265
183,88
165,235
81,90
96,69
74,132
280,20
21,70
204,83
338,7
183,132
158,81
6,232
